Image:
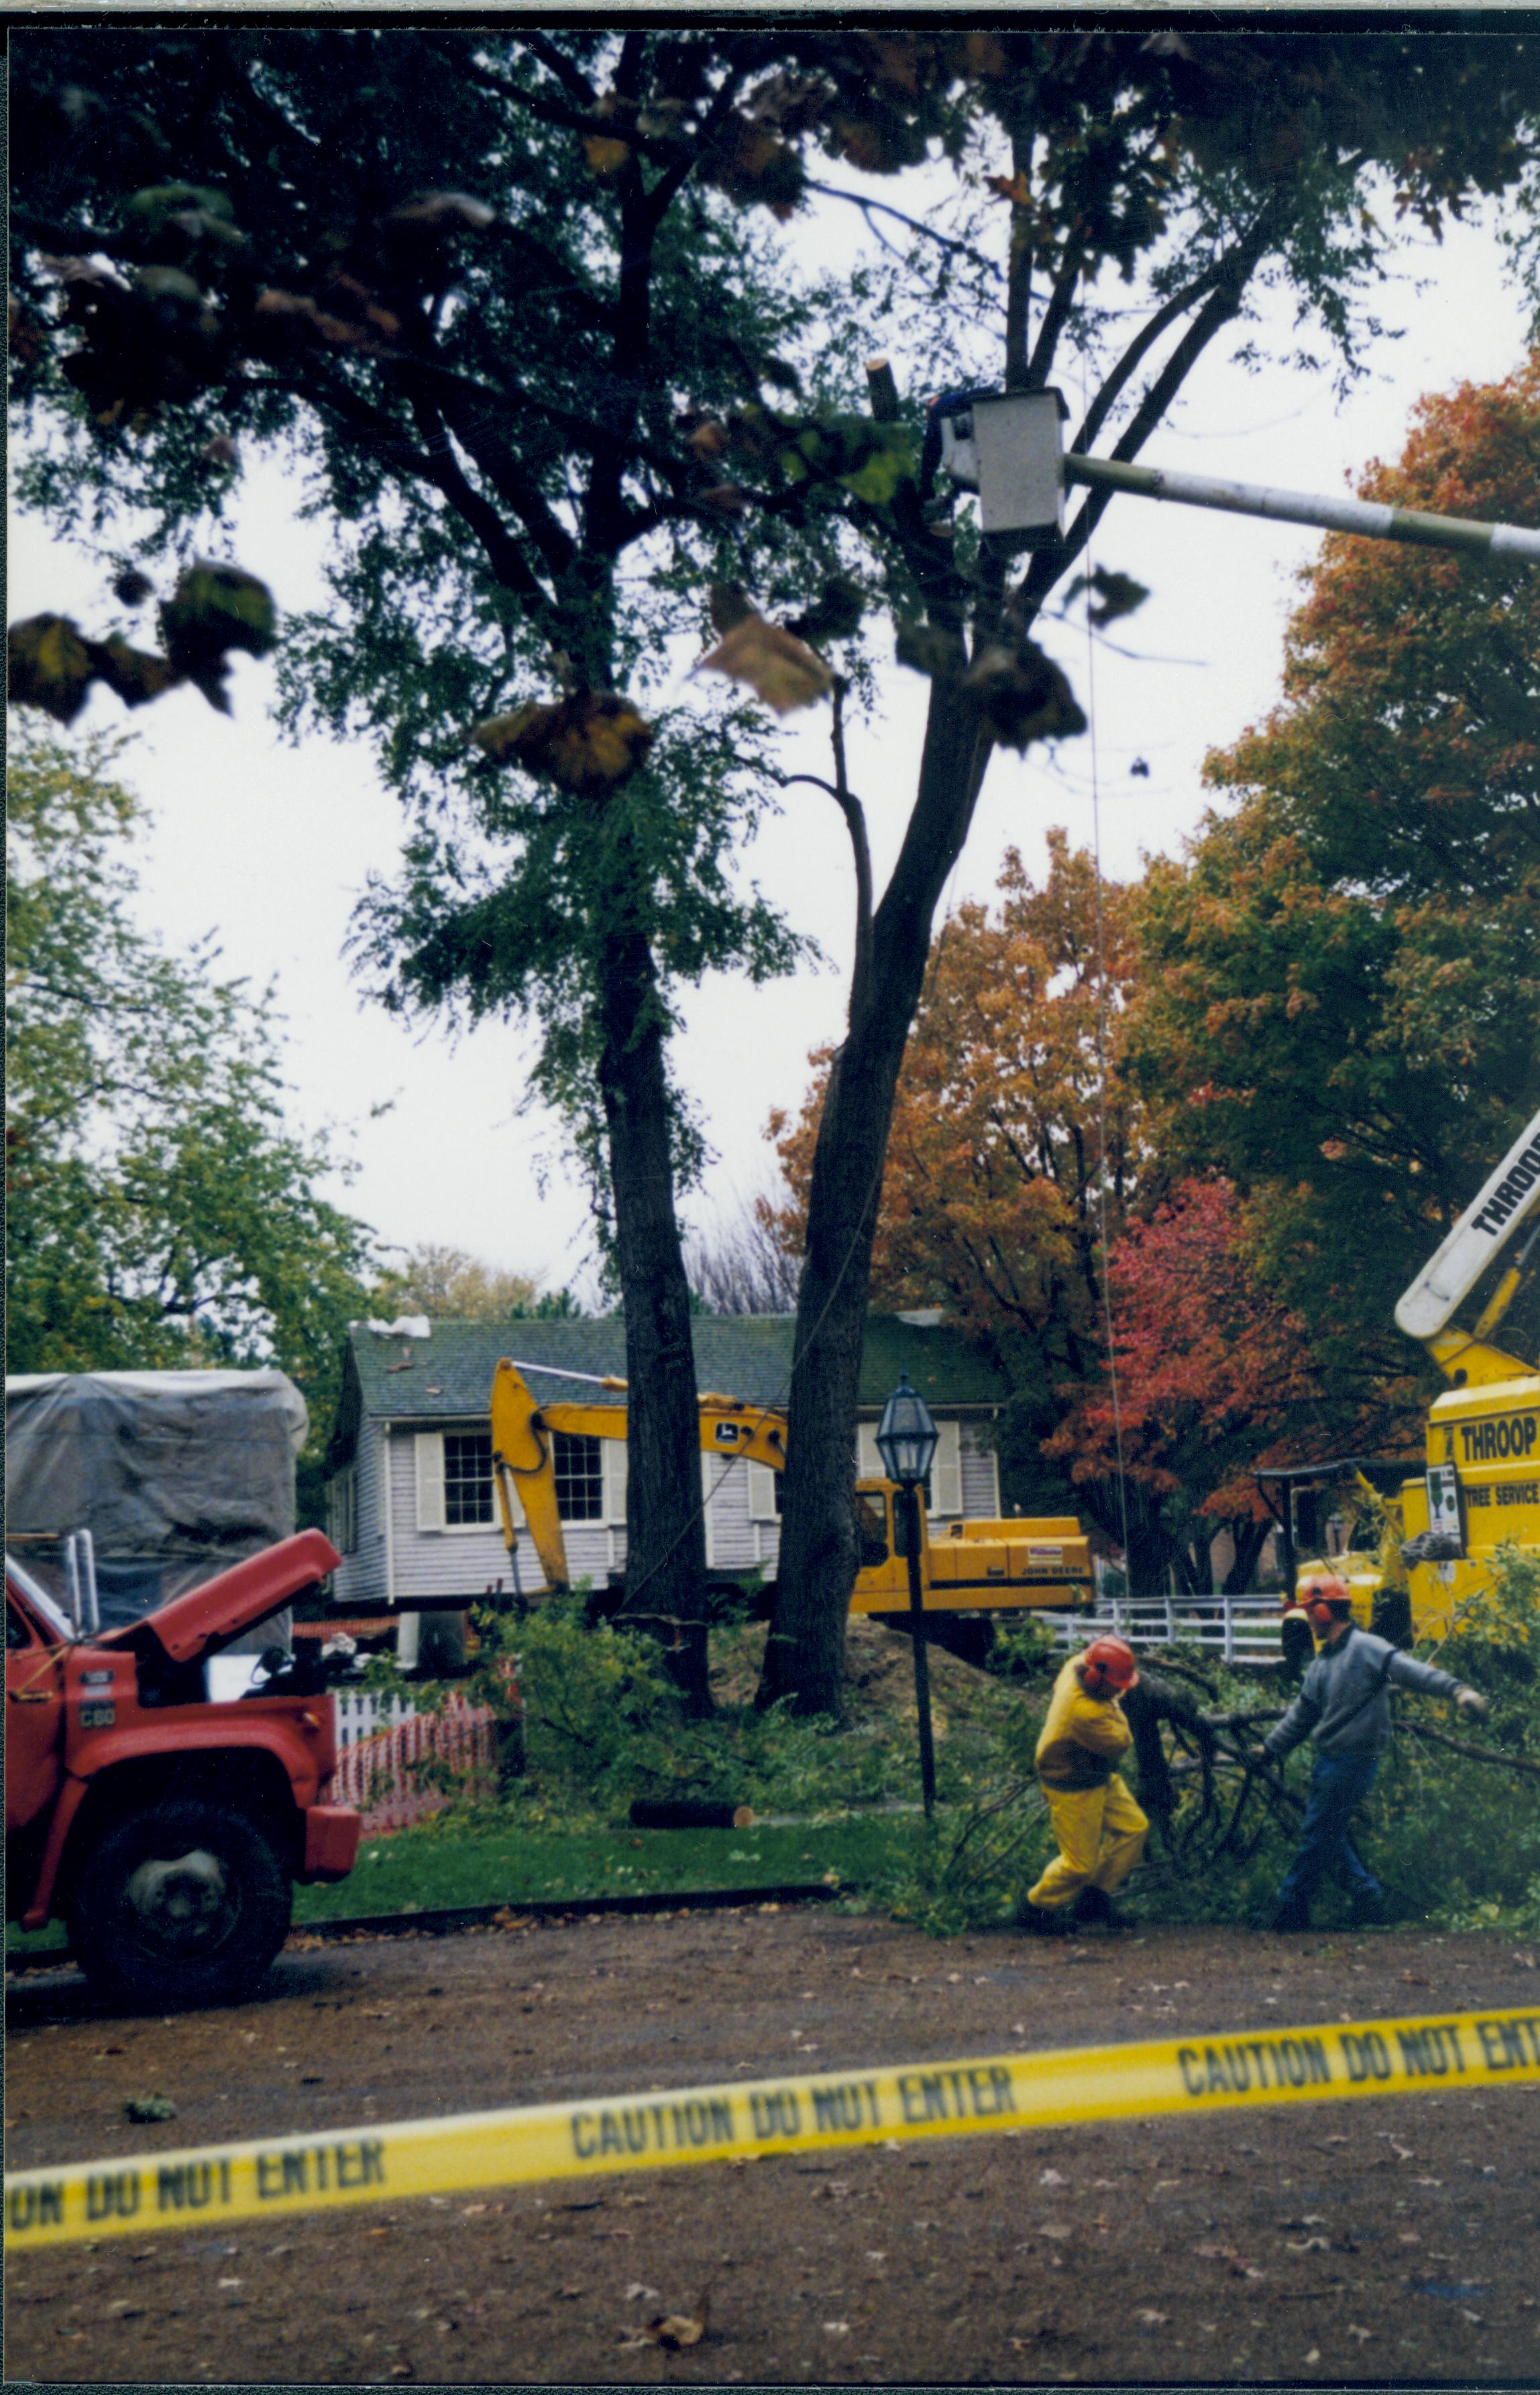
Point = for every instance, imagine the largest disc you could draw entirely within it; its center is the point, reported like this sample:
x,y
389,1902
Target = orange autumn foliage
x,y
990,1195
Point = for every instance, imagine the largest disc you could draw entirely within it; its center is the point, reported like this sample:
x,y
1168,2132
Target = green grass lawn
x,y
417,1871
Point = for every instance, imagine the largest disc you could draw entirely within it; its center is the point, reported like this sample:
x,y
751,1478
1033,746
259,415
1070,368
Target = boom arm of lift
x,y
522,1456
1501,1206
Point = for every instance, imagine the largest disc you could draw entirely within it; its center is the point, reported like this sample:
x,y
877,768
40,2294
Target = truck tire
x,y
186,1902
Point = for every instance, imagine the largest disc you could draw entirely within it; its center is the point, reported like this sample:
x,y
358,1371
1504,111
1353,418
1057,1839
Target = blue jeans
x,y
1338,1785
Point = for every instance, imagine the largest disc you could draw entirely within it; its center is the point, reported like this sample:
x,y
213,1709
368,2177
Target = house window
x,y
578,1466
343,1508
467,1478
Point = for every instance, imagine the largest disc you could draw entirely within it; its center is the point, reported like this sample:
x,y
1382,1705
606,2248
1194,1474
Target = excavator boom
x,y
521,1428
983,1565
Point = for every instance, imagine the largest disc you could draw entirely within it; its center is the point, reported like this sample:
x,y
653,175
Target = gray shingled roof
x,y
744,1355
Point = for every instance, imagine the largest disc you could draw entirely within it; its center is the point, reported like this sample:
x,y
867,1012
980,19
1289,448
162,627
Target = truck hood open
x,y
207,1618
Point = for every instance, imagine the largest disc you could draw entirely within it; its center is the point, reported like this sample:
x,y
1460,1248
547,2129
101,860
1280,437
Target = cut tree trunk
x,y
1250,1539
804,1650
666,1530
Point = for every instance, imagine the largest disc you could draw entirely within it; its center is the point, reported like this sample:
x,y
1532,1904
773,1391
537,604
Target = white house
x,y
412,1508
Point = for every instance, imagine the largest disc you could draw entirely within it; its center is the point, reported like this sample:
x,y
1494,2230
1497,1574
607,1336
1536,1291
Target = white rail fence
x,y
1238,1628
398,1766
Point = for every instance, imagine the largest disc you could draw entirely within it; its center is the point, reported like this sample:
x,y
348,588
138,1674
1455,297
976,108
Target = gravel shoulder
x,y
1345,2242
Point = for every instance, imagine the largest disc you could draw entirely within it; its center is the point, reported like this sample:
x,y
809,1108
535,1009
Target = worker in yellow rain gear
x,y
1099,1829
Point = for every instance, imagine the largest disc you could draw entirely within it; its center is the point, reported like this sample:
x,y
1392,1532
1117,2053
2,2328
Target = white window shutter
x,y
946,1472
430,1479
761,1493
869,1465
612,1457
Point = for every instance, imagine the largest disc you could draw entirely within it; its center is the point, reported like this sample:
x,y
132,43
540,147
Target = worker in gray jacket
x,y
1345,1704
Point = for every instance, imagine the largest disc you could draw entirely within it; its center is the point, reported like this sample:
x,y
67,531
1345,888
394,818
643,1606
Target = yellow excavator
x,y
1434,1543
977,1567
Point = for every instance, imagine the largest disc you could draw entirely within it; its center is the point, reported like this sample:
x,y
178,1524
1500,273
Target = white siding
x,y
439,1562
740,1524
980,1475
467,1562
733,1537
359,1582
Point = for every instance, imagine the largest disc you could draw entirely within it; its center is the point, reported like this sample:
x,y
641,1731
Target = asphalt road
x,y
1323,2242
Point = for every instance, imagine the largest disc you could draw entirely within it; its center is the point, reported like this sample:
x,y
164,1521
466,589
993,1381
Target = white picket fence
x,y
361,1715
1237,1629
382,1745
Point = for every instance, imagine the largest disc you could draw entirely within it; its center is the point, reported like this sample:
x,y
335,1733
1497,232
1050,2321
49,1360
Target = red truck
x,y
165,1830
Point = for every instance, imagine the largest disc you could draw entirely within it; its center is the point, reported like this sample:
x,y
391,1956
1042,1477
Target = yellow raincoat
x,y
1099,1829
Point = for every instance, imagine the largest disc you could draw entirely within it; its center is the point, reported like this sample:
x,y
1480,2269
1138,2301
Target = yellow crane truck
x,y
976,1567
1480,1484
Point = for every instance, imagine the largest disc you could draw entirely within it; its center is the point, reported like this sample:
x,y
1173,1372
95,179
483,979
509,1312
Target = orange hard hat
x,y
1109,1664
1327,1593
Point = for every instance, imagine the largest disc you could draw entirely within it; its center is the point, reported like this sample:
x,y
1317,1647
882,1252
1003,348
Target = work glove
x,y
1471,1705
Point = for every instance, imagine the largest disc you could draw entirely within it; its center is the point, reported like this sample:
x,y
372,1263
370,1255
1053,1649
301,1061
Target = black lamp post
x,y
907,1439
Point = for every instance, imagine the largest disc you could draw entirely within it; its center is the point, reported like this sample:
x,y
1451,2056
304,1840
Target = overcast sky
x,y
270,845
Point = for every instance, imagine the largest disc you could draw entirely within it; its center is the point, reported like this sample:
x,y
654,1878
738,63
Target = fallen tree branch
x,y
1189,1672
1473,1754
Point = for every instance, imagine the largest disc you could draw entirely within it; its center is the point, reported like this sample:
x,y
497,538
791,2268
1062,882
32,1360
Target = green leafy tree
x,y
496,294
162,1211
1340,1000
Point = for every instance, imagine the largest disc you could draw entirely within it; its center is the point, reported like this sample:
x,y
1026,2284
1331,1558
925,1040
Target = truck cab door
x,y
34,1720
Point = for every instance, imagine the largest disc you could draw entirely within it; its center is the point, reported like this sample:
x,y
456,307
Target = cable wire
x,y
1101,1059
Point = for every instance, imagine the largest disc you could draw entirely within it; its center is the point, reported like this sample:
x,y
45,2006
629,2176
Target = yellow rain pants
x,y
1100,1833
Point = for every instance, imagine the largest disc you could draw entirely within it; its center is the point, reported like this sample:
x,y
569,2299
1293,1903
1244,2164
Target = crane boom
x,y
1481,1233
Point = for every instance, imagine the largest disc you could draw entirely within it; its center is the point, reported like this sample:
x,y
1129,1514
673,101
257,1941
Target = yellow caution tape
x,y
769,2116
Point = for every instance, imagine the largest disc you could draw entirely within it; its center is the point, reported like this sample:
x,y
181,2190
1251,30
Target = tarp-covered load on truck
x,y
176,1475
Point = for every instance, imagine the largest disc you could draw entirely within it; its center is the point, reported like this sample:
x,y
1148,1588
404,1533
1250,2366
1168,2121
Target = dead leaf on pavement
x,y
675,2330
1237,2261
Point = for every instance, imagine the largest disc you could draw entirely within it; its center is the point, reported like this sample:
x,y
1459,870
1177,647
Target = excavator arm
x,y
522,1456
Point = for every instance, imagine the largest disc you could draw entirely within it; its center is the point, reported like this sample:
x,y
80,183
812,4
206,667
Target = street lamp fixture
x,y
907,1439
